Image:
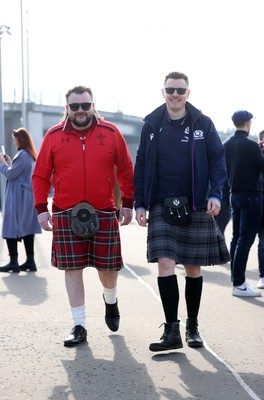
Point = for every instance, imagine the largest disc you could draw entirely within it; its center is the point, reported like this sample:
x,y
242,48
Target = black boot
x,y
193,338
112,316
12,266
29,265
171,338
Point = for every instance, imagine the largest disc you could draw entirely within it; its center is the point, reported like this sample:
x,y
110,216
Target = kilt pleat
x,y
101,251
199,243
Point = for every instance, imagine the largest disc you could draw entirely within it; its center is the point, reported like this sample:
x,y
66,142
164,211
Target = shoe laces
x,y
193,327
166,329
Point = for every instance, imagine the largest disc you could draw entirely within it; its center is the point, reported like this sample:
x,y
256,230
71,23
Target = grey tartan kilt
x,y
198,243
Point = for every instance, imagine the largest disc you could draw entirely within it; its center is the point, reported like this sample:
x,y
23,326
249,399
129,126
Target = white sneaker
x,y
245,290
260,284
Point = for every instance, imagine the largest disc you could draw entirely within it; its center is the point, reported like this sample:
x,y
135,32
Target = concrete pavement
x,y
35,318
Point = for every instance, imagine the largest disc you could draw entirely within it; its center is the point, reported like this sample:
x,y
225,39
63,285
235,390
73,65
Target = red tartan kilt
x,y
102,251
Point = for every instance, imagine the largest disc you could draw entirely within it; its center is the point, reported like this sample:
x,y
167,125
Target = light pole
x,y
3,29
23,104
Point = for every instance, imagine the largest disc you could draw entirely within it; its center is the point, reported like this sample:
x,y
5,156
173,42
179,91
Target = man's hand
x,y
125,216
213,207
45,221
261,146
141,217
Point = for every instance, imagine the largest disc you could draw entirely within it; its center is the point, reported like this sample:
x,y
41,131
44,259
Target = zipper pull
x,y
83,141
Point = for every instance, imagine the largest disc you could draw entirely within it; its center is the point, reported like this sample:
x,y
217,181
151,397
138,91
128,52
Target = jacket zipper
x,y
83,138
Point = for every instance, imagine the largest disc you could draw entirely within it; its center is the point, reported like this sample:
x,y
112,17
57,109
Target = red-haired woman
x,y
19,216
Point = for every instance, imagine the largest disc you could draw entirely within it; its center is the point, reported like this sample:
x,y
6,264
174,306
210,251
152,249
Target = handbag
x,y
84,220
176,210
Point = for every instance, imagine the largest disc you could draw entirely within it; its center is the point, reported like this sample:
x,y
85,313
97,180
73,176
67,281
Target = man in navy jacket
x,y
180,154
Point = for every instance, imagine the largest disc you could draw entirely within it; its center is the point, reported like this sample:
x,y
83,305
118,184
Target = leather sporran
x,y
84,220
176,210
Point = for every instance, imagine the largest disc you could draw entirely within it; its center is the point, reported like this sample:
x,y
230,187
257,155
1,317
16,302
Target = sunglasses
x,y
171,90
76,106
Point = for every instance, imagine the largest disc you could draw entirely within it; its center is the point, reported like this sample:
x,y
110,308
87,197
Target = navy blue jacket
x,y
245,163
206,156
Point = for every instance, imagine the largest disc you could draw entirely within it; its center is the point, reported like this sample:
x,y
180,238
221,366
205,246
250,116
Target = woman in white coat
x,y
19,216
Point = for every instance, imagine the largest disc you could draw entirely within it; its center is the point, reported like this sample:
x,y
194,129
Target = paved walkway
x,y
35,318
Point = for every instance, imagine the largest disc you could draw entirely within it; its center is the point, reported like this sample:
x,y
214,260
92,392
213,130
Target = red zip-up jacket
x,y
81,167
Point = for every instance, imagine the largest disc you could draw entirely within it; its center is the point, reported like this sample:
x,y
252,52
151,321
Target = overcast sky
x,y
123,49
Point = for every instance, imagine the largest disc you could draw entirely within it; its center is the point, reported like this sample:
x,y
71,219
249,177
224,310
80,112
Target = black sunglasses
x,y
171,90
76,106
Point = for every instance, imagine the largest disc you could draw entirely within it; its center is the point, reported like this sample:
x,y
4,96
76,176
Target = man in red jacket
x,y
78,157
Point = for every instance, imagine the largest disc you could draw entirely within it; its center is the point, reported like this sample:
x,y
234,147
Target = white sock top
x,y
110,295
79,315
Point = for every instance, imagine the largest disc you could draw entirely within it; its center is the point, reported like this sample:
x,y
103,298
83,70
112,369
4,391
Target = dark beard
x,y
85,123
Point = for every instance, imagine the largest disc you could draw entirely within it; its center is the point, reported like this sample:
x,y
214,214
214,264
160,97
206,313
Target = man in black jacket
x,y
245,165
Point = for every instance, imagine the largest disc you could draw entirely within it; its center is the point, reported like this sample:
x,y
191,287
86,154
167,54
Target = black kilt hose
x,y
199,243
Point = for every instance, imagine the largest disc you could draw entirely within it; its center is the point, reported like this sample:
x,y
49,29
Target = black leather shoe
x,y
10,267
112,316
193,337
78,334
28,266
170,340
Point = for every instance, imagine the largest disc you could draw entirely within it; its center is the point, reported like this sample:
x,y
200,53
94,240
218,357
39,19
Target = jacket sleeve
x,y
216,164
42,174
16,168
139,173
125,171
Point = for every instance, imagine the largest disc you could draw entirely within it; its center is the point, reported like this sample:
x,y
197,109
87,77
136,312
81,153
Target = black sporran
x,y
84,220
176,210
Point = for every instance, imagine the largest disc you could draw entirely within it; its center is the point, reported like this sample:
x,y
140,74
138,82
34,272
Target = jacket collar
x,y
156,116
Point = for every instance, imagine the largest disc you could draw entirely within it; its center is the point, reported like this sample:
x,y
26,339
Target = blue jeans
x,y
246,216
